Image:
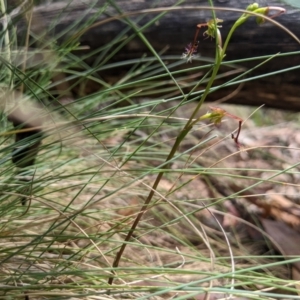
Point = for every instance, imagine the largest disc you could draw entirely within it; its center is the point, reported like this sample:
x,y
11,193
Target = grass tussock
x,y
102,144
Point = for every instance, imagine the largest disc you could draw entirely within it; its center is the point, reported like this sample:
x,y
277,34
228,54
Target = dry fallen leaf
x,y
286,238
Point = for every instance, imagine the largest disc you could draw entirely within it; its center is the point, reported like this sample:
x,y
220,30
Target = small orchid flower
x,y
190,51
217,114
263,11
212,28
212,31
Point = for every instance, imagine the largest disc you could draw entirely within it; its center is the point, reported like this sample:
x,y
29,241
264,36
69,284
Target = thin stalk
x,y
176,145
220,54
29,21
7,52
6,34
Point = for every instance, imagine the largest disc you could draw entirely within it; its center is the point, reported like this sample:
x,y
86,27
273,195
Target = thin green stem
x,y
176,145
7,52
220,54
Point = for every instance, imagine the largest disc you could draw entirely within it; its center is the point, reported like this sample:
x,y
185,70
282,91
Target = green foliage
x,y
99,155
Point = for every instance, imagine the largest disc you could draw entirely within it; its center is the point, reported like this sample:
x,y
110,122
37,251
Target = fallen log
x,y
176,29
